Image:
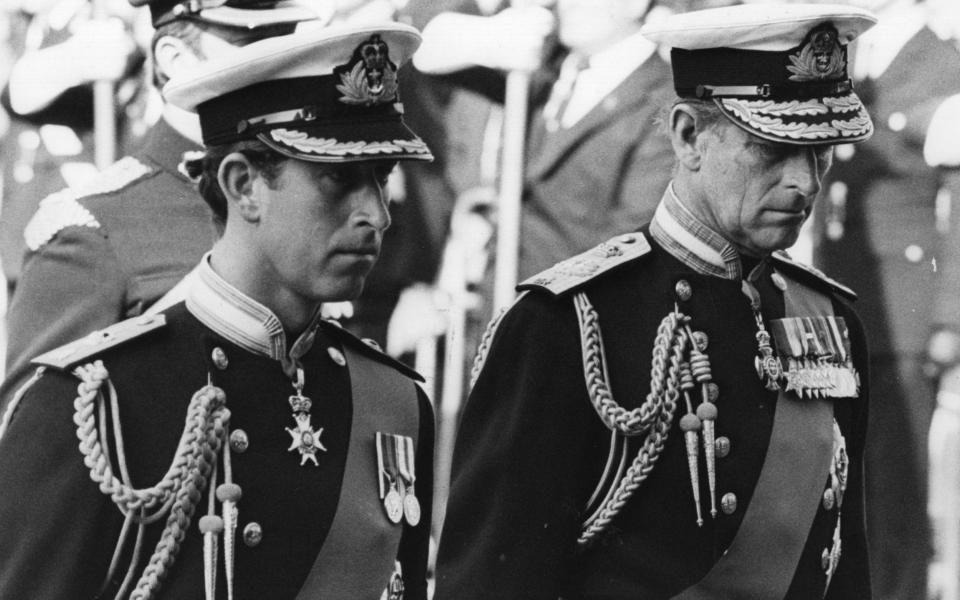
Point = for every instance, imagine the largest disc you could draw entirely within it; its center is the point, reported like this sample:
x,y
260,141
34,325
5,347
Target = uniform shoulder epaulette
x,y
62,209
578,270
781,258
368,347
99,341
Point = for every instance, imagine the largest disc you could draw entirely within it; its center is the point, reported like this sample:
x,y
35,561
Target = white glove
x,y
510,40
941,148
421,313
336,310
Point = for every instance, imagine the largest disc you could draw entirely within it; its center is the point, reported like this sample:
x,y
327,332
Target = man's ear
x,y
685,130
235,177
172,55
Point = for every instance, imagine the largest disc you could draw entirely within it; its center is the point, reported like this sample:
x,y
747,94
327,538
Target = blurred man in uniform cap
x,y
238,444
113,247
680,412
62,48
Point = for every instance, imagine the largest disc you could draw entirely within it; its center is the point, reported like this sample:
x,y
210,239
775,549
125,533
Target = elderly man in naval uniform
x,y
680,412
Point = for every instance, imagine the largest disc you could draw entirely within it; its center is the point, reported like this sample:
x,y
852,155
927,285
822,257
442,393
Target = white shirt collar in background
x,y
605,71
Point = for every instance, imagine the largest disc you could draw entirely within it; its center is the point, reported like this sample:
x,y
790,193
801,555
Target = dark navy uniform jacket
x,y
60,530
531,448
102,254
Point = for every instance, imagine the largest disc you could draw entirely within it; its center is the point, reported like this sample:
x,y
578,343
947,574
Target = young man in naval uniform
x,y
680,412
237,445
111,249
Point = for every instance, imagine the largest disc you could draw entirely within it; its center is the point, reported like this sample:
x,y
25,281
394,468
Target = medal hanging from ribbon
x,y
305,439
389,477
815,353
833,497
406,456
395,463
768,368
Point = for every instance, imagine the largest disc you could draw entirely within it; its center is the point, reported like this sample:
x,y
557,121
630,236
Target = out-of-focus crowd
x,y
595,162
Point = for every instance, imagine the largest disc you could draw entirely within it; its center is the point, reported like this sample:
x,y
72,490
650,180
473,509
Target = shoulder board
x,y
99,341
783,259
578,270
62,209
368,347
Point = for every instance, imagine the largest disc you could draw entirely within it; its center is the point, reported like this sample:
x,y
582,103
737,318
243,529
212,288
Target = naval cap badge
x,y
370,77
820,57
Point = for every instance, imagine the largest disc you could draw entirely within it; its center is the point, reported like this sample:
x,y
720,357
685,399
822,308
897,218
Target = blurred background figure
x,y
11,35
61,51
113,245
942,150
888,228
595,163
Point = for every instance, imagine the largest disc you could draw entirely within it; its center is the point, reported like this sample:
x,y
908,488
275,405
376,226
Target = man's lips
x,y
361,251
793,211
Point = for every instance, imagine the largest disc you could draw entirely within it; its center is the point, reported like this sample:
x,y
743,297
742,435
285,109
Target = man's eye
x,y
335,175
775,153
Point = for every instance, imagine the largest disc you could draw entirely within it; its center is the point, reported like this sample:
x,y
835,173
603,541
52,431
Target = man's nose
x,y
373,204
806,170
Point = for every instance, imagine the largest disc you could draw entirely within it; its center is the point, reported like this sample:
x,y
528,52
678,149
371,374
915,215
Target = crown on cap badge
x,y
820,57
370,77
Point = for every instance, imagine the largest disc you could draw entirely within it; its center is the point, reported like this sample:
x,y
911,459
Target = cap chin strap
x,y
766,90
294,116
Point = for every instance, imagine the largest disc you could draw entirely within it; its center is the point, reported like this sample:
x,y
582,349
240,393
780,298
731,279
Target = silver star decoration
x,y
305,439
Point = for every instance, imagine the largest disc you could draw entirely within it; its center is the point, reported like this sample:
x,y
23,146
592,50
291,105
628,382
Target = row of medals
x,y
809,377
399,501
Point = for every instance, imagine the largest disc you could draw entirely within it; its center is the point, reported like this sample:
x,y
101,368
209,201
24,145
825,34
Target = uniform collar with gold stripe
x,y
691,242
242,320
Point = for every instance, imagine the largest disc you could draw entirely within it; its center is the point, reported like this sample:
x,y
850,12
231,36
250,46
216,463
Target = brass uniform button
x,y
728,503
683,289
723,446
628,238
219,358
829,499
252,534
336,356
239,442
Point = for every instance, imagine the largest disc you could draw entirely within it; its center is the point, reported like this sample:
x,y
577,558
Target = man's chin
x,y
343,290
768,244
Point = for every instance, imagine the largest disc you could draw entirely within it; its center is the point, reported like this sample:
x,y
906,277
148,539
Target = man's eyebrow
x,y
324,169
